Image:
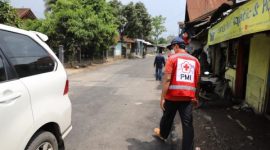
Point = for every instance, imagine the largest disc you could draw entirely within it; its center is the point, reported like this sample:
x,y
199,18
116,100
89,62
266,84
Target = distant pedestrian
x,y
179,93
159,63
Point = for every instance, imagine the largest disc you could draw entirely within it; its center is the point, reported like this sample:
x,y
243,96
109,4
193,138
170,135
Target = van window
x,y
2,71
27,57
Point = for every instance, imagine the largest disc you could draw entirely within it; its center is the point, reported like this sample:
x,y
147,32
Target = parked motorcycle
x,y
214,88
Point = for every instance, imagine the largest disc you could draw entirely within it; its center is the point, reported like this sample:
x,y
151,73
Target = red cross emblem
x,y
186,67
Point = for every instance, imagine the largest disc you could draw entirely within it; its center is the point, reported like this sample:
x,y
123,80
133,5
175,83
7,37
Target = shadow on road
x,y
136,144
214,104
219,125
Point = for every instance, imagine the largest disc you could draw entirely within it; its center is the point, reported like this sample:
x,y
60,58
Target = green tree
x,y
117,11
158,27
8,14
162,41
88,24
48,5
34,25
144,20
138,20
170,38
99,25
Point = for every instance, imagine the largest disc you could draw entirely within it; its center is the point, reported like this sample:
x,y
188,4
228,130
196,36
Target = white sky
x,y
173,10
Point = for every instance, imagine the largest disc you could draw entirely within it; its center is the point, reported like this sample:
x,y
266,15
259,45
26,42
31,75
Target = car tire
x,y
43,141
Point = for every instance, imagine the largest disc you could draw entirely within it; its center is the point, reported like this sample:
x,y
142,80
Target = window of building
x,y
27,57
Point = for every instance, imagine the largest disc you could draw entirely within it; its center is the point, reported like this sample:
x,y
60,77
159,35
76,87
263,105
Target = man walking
x,y
179,92
159,63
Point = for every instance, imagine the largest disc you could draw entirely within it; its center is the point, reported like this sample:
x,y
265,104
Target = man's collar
x,y
180,51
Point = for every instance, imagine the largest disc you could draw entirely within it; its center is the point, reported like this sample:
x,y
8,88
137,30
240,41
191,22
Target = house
x,y
25,13
199,16
141,47
244,34
123,47
199,10
128,47
235,35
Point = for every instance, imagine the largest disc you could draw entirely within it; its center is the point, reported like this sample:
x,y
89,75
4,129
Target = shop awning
x,y
144,42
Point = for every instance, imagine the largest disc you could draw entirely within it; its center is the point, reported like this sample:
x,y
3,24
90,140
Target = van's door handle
x,y
9,98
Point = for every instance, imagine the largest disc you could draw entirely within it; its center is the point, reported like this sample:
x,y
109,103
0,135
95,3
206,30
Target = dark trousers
x,y
158,73
185,112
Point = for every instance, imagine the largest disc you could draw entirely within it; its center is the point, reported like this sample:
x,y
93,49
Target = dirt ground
x,y
93,66
220,126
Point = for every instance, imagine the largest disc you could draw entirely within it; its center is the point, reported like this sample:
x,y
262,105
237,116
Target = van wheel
x,y
43,141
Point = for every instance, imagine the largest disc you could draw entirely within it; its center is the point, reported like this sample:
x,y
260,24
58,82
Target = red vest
x,y
184,77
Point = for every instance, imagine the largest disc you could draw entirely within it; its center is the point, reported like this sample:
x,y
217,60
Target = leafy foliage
x,y
91,25
117,9
138,20
8,14
133,19
48,4
157,27
88,24
162,41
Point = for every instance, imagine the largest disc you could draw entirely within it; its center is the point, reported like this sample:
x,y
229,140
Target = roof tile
x,y
198,8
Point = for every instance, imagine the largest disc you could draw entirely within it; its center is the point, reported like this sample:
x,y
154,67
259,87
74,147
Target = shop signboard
x,y
240,1
252,17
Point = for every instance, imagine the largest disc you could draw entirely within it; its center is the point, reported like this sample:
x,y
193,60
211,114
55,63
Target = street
x,y
82,72
116,107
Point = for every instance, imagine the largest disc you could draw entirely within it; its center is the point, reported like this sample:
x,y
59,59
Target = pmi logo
x,y
187,71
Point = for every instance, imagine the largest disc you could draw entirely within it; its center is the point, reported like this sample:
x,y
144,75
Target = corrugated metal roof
x,y
198,8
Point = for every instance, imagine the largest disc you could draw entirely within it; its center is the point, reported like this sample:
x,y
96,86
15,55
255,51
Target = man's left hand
x,y
162,102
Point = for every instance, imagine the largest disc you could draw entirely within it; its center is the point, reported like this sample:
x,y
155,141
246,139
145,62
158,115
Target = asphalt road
x,y
116,107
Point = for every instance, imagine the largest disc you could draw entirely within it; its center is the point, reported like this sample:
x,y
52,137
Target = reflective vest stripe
x,y
182,87
187,55
181,54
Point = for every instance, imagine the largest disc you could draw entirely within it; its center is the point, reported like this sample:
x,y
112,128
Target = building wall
x,y
258,72
216,60
231,75
139,48
219,58
118,49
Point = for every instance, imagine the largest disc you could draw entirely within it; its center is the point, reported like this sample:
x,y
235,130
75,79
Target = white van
x,y
35,110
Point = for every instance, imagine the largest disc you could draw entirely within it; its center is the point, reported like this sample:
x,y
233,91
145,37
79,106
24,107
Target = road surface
x,y
116,107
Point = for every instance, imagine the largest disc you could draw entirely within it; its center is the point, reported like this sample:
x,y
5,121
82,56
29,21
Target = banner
x,y
240,1
252,17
